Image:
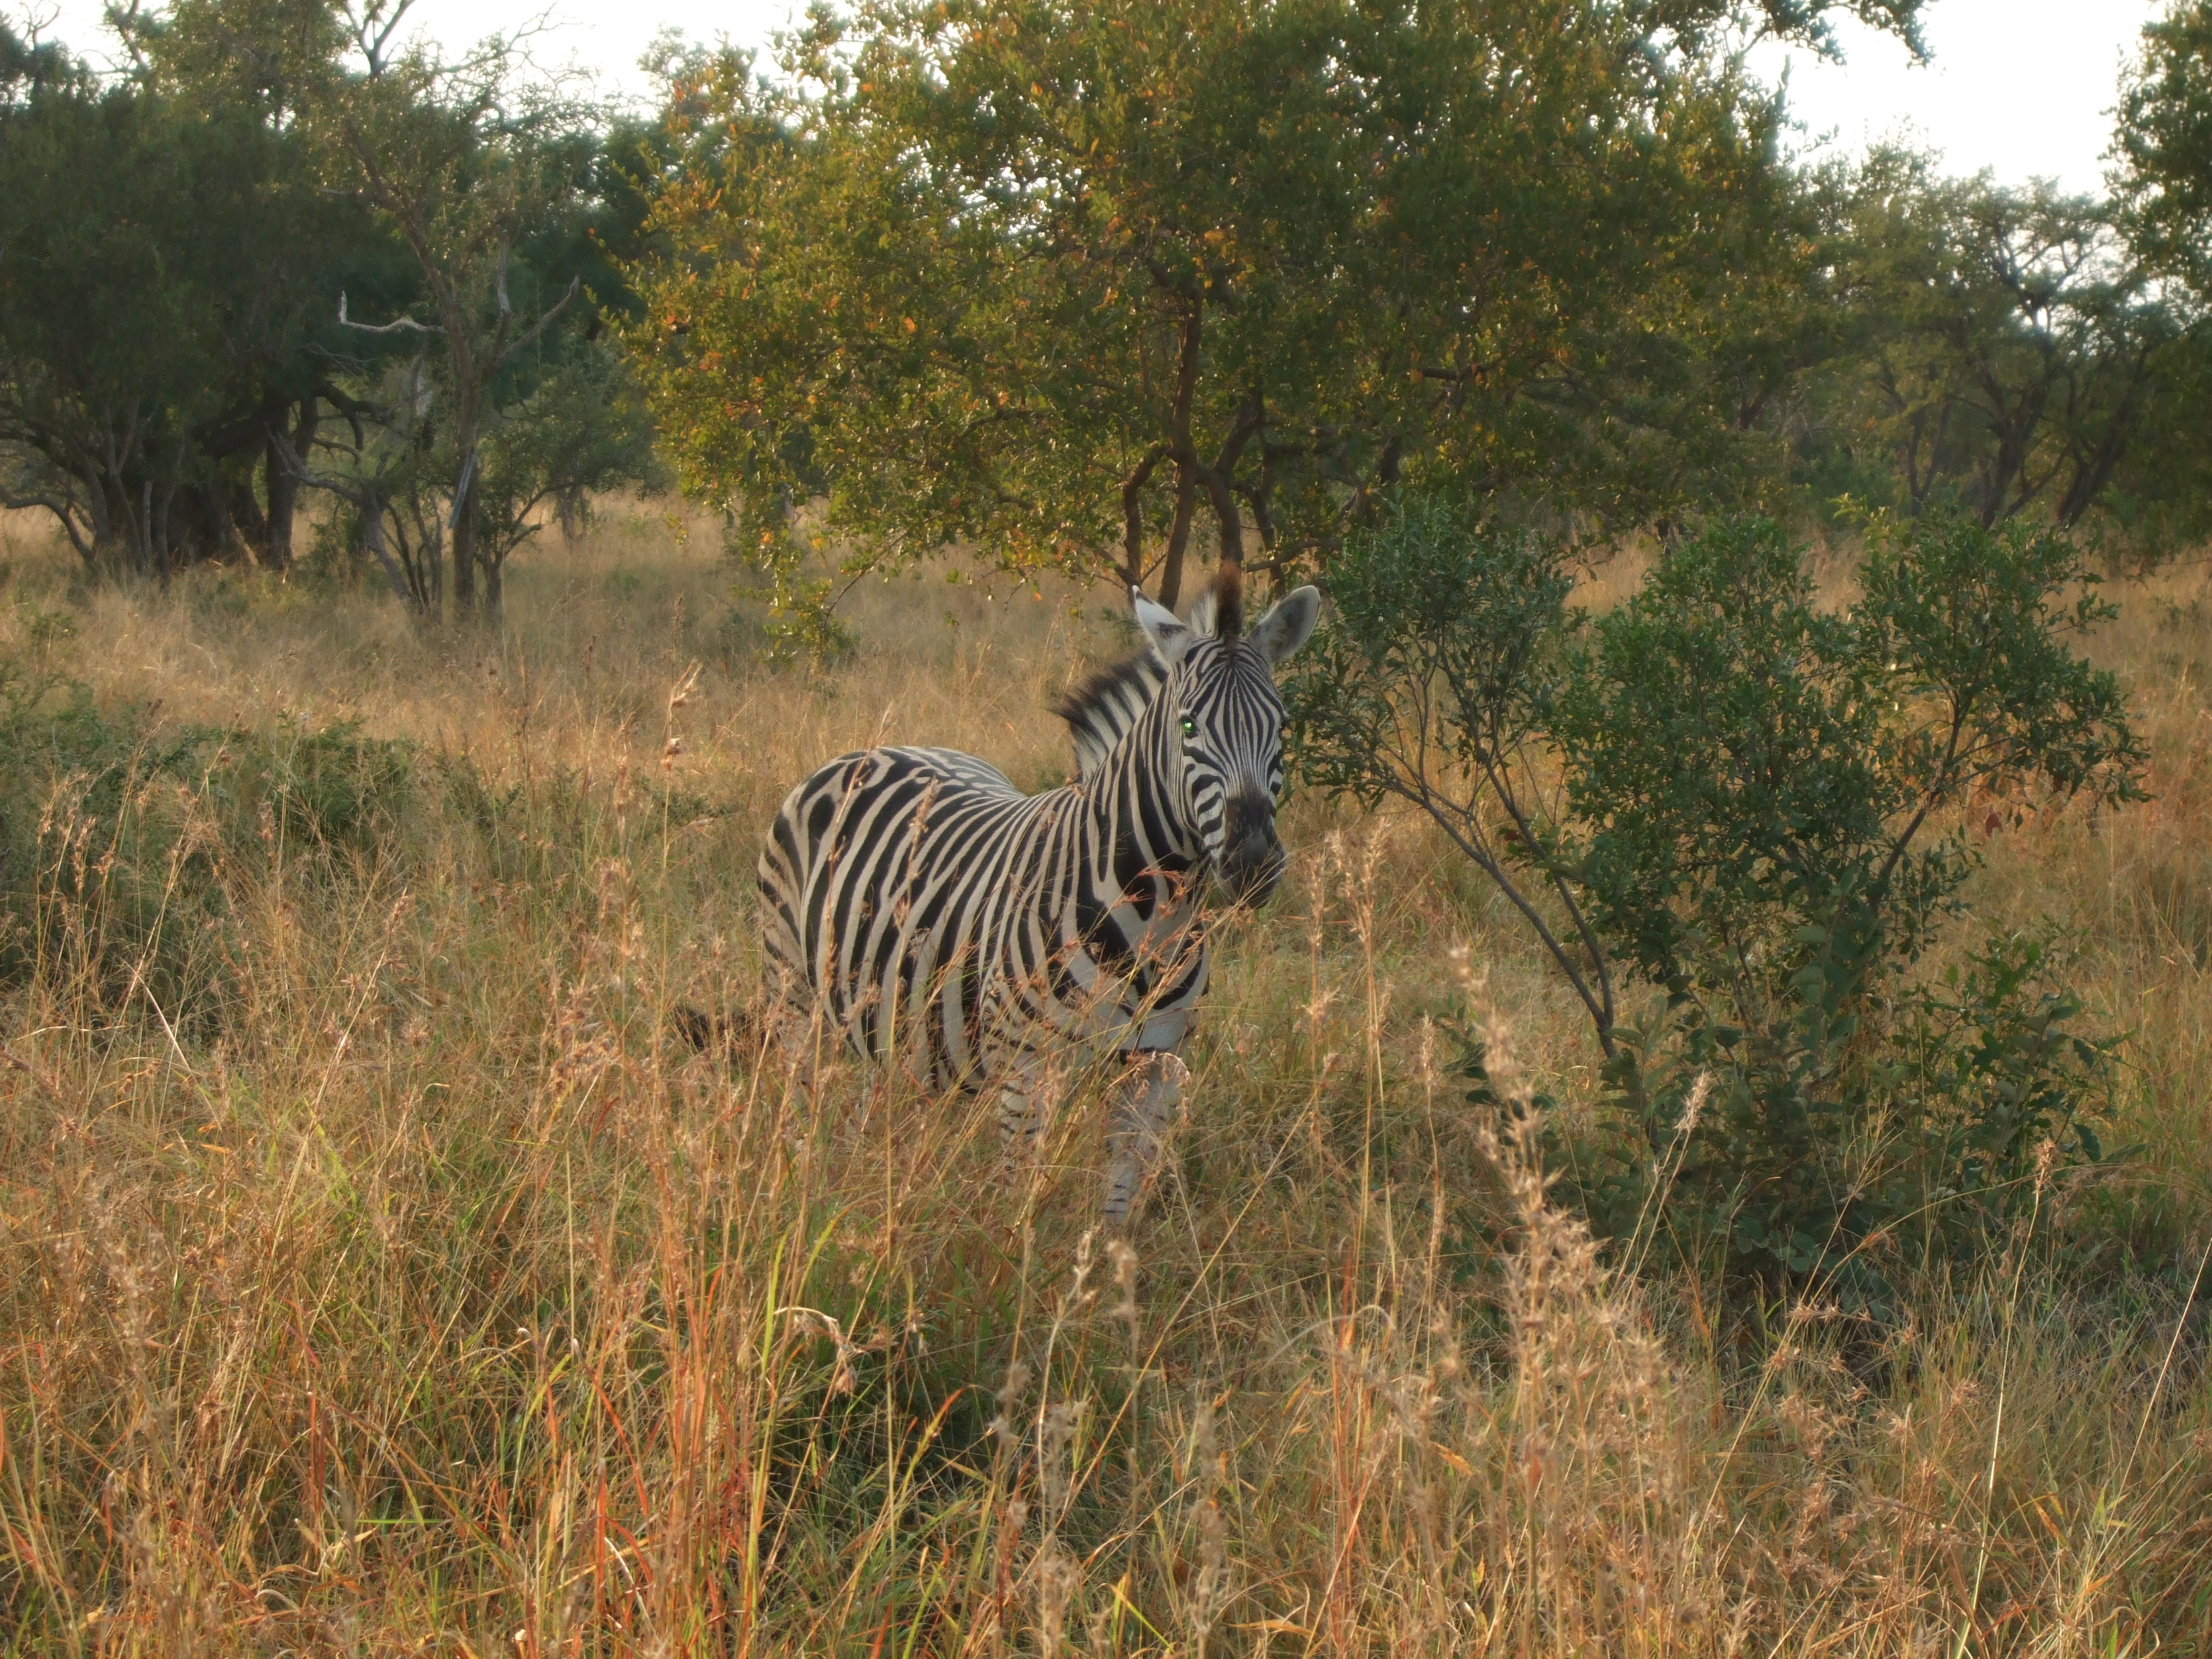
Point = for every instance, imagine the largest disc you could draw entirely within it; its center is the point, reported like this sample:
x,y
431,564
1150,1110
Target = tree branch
x,y
61,507
398,325
575,287
1447,819
1133,515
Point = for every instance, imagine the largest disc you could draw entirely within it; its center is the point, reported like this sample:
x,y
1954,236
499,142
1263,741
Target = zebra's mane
x,y
1101,710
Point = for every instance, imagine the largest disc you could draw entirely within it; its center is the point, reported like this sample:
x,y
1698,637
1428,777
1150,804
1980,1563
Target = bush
x,y
105,888
1432,683
1758,812
116,845
1753,786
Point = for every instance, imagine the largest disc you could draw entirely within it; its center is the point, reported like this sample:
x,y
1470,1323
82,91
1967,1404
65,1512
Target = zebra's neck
x,y
1102,710
1138,808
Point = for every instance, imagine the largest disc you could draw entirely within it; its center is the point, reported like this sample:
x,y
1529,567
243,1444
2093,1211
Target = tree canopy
x,y
1069,282
1996,347
167,293
2162,149
1095,288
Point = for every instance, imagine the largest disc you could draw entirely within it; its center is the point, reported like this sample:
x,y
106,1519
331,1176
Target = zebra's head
x,y
1226,719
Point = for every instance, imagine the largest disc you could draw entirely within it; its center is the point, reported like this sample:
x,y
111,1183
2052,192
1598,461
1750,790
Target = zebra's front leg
x,y
1142,1115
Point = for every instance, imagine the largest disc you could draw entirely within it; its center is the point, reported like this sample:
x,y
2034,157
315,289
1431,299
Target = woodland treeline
x,y
1087,287
279,258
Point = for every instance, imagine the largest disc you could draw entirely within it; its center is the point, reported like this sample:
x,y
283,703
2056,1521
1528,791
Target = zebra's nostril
x,y
1251,838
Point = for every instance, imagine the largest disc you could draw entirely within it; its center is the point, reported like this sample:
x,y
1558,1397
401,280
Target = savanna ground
x,y
382,1274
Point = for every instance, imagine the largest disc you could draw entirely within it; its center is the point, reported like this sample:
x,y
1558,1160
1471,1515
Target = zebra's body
x,y
946,921
955,926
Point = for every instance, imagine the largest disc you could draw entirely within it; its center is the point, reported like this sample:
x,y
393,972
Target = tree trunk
x,y
284,485
1186,459
427,560
1220,493
198,519
464,537
247,525
433,539
1228,523
164,562
1132,519
372,534
101,500
1178,536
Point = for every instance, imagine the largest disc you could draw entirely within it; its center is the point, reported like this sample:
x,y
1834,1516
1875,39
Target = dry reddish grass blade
x,y
446,1299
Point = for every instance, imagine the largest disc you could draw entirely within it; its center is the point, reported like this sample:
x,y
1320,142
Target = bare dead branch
x,y
398,325
373,28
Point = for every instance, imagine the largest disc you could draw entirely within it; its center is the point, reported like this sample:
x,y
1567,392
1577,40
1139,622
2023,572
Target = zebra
x,y
944,919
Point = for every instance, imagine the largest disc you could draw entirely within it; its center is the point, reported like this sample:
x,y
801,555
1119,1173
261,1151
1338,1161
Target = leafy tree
x,y
582,430
270,61
2159,499
2162,150
489,180
271,57
27,65
1070,284
150,348
1996,347
1764,818
116,327
177,363
1740,755
2162,183
388,480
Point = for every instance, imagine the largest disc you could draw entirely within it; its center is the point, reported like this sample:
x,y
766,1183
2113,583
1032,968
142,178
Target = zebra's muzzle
x,y
1252,857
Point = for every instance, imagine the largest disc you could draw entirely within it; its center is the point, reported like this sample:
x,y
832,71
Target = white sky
x,y
2024,87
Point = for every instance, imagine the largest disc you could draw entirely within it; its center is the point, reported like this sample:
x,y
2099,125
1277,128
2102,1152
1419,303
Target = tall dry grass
x,y
441,1301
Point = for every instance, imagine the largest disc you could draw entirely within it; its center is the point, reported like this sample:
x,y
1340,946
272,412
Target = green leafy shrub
x,y
329,792
1764,817
118,846
1752,801
106,887
552,831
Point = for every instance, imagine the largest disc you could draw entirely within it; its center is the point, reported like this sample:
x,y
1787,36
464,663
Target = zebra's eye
x,y
1189,726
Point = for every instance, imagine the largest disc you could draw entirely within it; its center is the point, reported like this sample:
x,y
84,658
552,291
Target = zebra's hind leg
x,y
776,1018
1143,1114
1028,1090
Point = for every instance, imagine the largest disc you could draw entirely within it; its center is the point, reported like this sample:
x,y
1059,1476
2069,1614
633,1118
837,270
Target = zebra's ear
x,y
1201,612
1170,637
1288,624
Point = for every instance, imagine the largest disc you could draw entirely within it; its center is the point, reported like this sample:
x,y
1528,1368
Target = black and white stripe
x,y
951,924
